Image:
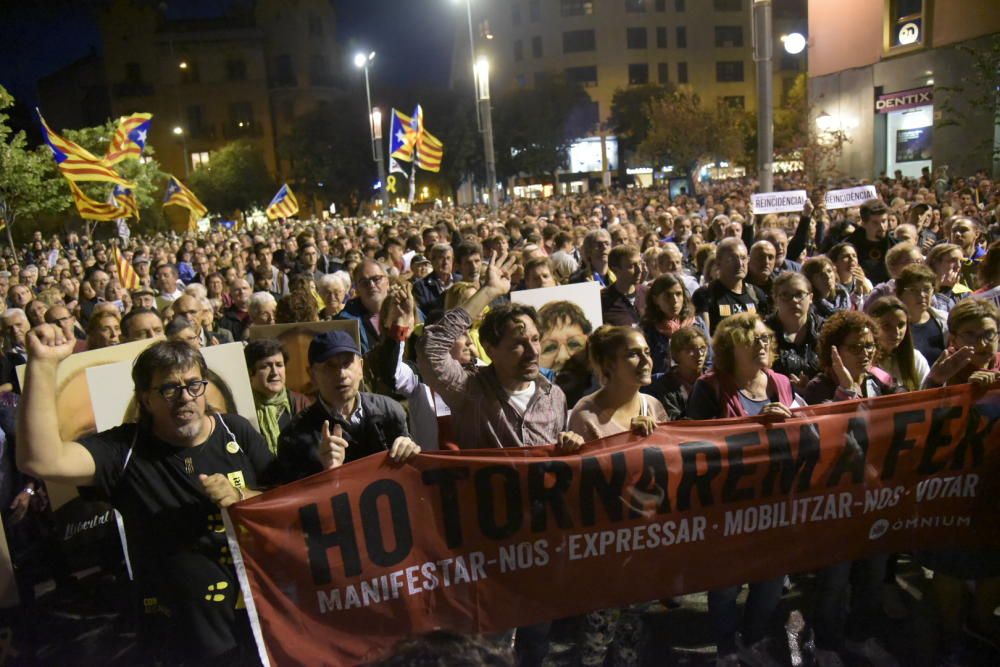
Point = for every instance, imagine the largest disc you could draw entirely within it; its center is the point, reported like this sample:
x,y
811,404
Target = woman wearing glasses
x,y
847,350
915,287
796,328
742,384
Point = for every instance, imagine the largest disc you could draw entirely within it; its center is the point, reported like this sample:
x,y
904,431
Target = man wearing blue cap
x,y
345,423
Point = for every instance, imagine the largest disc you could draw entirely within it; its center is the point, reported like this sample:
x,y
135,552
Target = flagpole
x,y
413,175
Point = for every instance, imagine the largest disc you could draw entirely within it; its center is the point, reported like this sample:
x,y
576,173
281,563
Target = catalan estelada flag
x,y
75,162
130,137
177,194
284,204
127,276
90,209
125,197
428,149
401,137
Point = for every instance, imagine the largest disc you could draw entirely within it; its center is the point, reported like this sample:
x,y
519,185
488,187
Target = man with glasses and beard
x,y
167,475
372,286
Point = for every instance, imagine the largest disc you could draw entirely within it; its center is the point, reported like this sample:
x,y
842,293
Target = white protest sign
x,y
586,295
778,202
849,197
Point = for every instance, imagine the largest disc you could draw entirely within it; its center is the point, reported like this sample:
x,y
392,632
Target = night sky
x,y
413,38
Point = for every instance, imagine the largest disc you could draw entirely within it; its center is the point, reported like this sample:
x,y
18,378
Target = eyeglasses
x,y
859,348
795,297
374,281
985,338
172,391
764,340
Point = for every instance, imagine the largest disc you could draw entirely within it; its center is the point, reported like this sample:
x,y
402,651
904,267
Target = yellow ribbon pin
x,y
390,183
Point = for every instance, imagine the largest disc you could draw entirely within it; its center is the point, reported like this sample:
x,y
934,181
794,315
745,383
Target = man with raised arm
x,y
167,475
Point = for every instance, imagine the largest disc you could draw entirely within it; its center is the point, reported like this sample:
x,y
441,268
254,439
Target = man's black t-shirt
x,y
719,302
176,538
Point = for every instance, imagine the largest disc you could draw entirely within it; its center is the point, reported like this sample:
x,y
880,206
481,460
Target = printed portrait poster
x,y
296,338
228,390
567,315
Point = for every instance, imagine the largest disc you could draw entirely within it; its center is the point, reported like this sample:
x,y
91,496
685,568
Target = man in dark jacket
x,y
344,424
872,241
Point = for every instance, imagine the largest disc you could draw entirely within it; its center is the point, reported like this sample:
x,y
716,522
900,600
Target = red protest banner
x,y
339,566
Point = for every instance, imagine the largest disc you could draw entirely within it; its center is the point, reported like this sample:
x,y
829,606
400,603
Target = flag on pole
x,y
129,139
284,204
127,277
177,194
75,162
126,198
429,149
401,137
394,167
94,210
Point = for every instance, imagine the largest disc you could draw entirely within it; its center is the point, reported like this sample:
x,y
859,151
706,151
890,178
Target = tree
x,y
533,132
28,180
236,177
976,96
799,137
630,115
684,133
330,151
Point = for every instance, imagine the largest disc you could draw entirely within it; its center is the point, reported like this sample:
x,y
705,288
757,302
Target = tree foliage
x,y
235,178
684,133
977,93
330,151
29,184
630,113
532,134
798,137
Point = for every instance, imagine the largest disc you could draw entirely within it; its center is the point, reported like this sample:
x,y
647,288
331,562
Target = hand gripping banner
x,y
339,566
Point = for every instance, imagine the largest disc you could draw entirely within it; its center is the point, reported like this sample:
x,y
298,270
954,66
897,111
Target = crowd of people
x,y
709,311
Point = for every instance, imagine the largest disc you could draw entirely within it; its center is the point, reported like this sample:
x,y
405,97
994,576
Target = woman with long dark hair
x,y
829,296
896,354
668,309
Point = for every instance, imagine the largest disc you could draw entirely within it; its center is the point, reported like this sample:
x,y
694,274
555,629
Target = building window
x,y
241,116
190,73
536,47
575,41
682,37
728,5
728,36
319,71
195,115
635,38
236,70
791,62
518,50
198,159
515,14
283,74
638,74
635,6
729,71
734,101
663,73
585,76
576,7
315,27
680,6
682,72
661,38
661,5
905,23
535,10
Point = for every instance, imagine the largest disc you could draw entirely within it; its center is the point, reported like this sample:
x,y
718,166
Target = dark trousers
x,y
762,600
849,600
531,644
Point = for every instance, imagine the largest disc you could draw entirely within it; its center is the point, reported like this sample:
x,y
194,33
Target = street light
x,y
794,43
179,132
361,61
483,99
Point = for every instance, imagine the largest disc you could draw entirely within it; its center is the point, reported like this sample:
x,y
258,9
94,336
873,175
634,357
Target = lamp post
x,y
765,93
483,99
362,61
179,132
